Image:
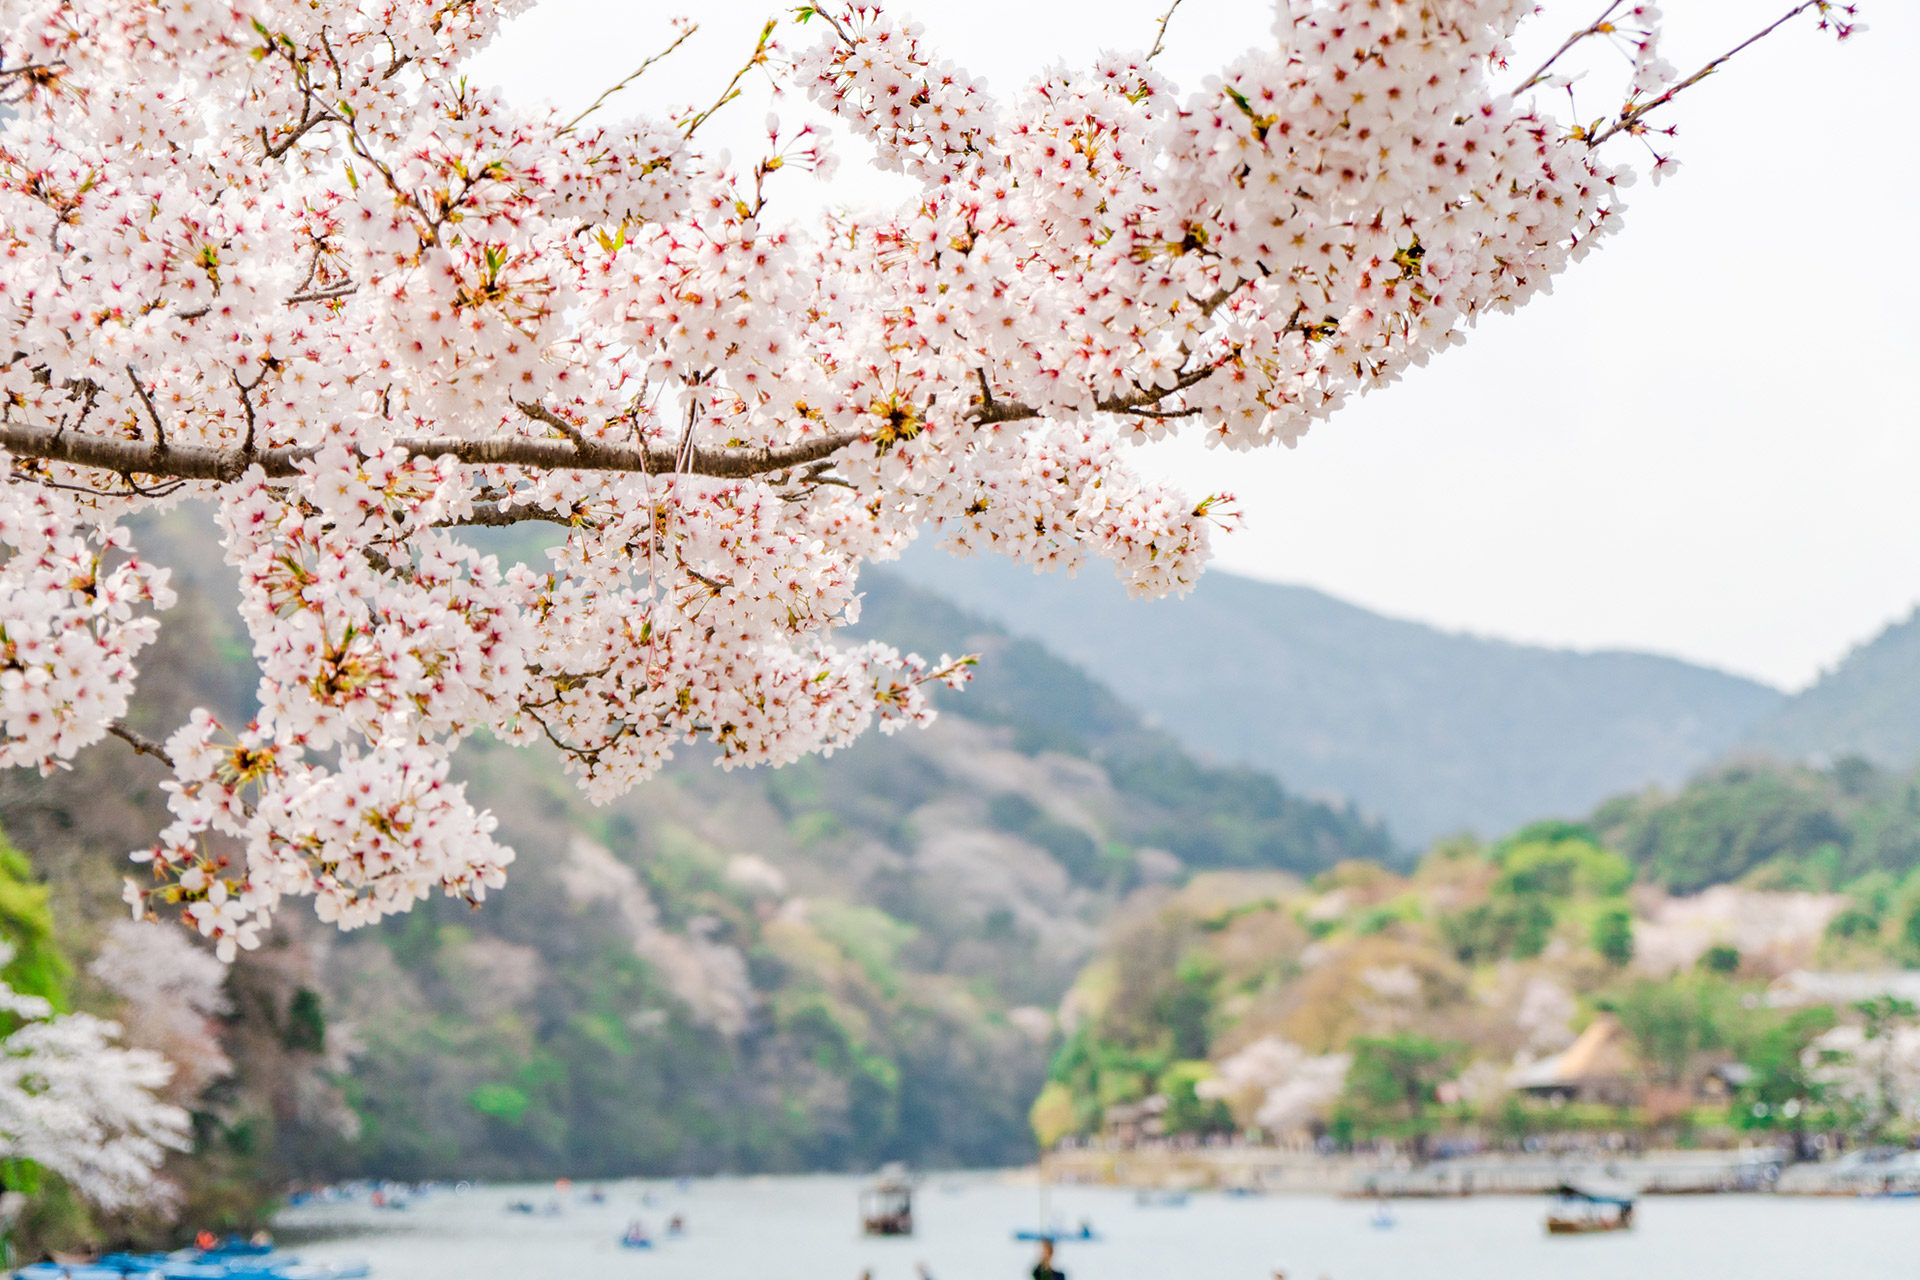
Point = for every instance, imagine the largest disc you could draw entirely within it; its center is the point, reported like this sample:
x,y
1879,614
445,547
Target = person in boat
x,y
1086,1228
676,1225
636,1235
920,1271
1044,1268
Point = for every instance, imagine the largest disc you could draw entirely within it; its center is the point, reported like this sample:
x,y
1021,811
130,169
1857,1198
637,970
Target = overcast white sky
x,y
1703,444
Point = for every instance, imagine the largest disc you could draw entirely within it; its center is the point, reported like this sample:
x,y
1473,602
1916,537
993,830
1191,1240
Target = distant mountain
x,y
1867,706
1433,731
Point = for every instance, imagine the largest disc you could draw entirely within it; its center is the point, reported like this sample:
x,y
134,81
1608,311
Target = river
x,y
803,1228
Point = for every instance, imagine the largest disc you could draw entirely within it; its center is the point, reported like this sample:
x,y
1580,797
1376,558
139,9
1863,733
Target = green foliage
x,y
1493,930
1539,871
1187,1112
38,966
1559,860
1720,958
1053,1116
1673,1022
1785,1092
1164,991
500,1101
1392,1082
868,936
1782,826
306,1023
1613,934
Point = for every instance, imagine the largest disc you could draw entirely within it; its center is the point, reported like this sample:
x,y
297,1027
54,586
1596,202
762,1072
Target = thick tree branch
x,y
198,462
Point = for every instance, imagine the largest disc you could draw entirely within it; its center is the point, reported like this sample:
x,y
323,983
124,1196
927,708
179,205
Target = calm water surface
x,y
804,1229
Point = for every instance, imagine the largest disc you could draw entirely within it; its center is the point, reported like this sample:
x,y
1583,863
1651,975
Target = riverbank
x,y
1270,1171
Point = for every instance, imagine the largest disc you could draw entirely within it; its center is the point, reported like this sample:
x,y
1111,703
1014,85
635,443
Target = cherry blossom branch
x,y
684,36
1598,26
732,91
1630,119
1088,255
1143,403
1160,36
198,462
140,742
824,14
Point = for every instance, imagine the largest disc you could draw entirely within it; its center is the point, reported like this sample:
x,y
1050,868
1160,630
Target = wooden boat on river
x,y
1578,1211
886,1208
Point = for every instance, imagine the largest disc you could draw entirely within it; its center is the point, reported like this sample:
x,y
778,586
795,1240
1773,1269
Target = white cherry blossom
x,y
288,261
79,1105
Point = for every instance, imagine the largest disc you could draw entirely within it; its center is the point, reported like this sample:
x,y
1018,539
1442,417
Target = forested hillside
x,y
1868,705
1362,1004
846,961
1435,732
1851,828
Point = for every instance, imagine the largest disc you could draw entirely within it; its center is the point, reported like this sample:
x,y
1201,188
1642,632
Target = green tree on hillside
x,y
1393,1084
1538,869
1674,1021
1786,1091
38,966
1613,934
1882,1016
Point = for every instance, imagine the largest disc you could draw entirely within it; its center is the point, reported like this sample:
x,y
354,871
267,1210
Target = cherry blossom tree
x,y
286,261
78,1105
171,990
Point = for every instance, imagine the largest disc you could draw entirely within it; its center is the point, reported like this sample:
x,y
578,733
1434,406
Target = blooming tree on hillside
x,y
171,991
288,261
77,1104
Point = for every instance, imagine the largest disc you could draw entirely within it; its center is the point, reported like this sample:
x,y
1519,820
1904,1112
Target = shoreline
x,y
1269,1171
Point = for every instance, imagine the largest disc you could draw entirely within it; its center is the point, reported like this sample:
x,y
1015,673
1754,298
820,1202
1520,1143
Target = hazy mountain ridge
x,y
1868,705
1433,731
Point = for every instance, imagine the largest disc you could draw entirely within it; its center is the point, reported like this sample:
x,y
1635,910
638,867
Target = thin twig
x,y
159,427
638,72
820,11
540,413
1591,29
1631,119
732,90
140,742
1160,36
332,293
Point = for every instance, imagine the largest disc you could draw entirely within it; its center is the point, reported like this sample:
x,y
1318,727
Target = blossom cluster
x,y
70,632
292,262
78,1104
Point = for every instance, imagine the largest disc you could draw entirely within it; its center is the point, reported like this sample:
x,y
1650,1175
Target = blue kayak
x,y
254,1263
1084,1233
